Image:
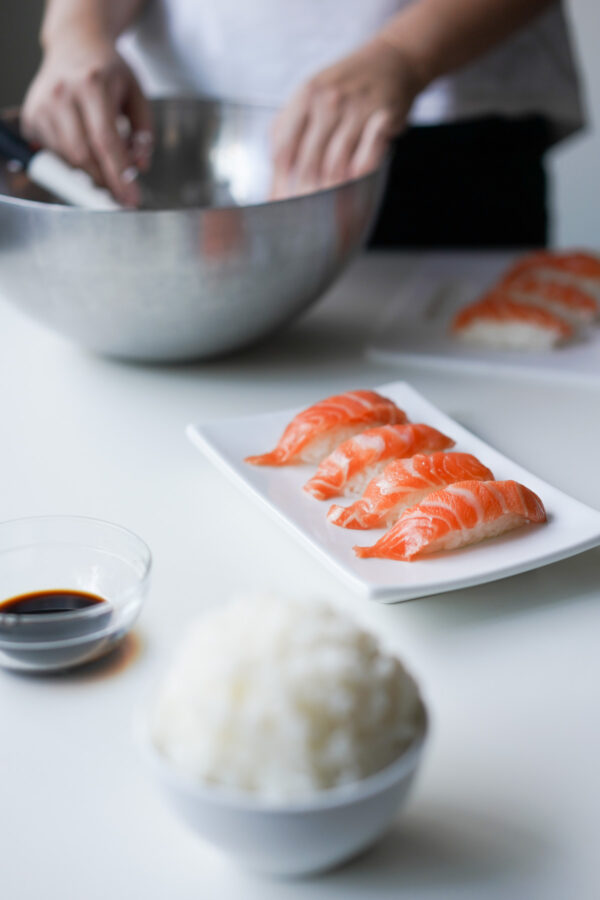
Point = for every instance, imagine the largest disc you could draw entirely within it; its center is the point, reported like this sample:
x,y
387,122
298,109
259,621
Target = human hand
x,y
338,125
73,107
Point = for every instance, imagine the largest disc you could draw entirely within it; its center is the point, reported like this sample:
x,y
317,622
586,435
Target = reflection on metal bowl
x,y
207,265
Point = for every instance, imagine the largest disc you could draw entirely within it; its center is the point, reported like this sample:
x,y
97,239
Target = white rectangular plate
x,y
571,528
415,327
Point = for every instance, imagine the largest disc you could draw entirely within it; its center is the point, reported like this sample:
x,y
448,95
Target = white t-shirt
x,y
260,51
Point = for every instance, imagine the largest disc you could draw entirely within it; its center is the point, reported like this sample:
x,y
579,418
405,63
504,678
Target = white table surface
x,y
507,804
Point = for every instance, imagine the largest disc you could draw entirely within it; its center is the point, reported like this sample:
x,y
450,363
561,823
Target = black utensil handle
x,y
14,147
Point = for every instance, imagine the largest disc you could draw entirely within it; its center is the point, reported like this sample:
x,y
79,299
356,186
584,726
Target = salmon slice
x,y
500,321
575,262
403,483
563,298
356,461
461,514
313,433
570,267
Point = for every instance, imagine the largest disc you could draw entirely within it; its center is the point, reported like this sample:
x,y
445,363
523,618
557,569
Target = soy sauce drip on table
x,y
45,602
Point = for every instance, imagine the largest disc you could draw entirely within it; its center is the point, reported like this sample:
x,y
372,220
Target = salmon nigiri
x,y
571,267
313,433
500,321
567,300
403,483
461,514
355,462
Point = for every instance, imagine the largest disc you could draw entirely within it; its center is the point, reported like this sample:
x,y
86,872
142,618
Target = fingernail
x,y
141,157
142,145
129,175
145,138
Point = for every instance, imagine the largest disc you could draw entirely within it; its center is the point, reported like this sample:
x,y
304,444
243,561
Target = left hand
x,y
338,125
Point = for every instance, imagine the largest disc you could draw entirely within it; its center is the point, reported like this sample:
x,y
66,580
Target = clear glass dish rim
x,y
89,612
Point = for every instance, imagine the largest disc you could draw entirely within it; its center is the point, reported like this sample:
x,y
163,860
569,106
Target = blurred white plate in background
x,y
415,327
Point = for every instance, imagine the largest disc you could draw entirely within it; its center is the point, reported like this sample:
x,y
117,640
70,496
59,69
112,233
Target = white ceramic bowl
x,y
294,839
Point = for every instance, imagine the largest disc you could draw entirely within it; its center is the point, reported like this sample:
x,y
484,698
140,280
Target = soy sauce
x,y
44,602
42,629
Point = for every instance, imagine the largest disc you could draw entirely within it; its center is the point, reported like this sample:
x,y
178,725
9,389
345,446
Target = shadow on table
x,y
574,581
328,339
442,849
127,652
443,852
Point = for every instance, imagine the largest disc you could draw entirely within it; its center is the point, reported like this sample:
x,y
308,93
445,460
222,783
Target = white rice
x,y
510,335
282,699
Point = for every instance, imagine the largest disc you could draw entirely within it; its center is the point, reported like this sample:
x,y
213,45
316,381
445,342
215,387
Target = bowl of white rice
x,y
284,734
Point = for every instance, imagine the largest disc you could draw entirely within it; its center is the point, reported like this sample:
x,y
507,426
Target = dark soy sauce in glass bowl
x,y
55,629
42,602
70,590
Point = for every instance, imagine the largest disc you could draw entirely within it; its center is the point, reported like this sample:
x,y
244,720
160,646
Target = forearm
x,y
92,19
439,36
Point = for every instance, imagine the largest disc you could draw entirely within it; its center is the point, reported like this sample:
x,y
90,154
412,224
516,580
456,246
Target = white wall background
x,y
575,165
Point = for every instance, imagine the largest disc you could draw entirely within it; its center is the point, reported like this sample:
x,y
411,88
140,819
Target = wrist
x,y
415,35
411,68
77,43
77,34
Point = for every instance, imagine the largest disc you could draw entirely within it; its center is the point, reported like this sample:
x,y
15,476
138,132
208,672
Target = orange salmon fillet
x,y
577,263
403,483
500,308
358,459
313,433
564,298
461,514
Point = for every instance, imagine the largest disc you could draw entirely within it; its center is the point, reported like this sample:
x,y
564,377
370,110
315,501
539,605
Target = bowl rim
x,y
57,208
326,799
90,612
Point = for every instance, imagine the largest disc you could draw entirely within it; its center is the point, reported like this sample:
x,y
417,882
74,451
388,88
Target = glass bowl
x,y
69,553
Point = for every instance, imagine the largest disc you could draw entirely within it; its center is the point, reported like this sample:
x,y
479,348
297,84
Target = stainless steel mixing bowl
x,y
207,265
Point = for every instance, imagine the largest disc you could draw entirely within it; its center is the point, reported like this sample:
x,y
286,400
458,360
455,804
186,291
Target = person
x,y
469,94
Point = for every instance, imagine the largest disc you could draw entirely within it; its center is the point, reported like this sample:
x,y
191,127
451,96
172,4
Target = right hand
x,y
339,124
72,108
